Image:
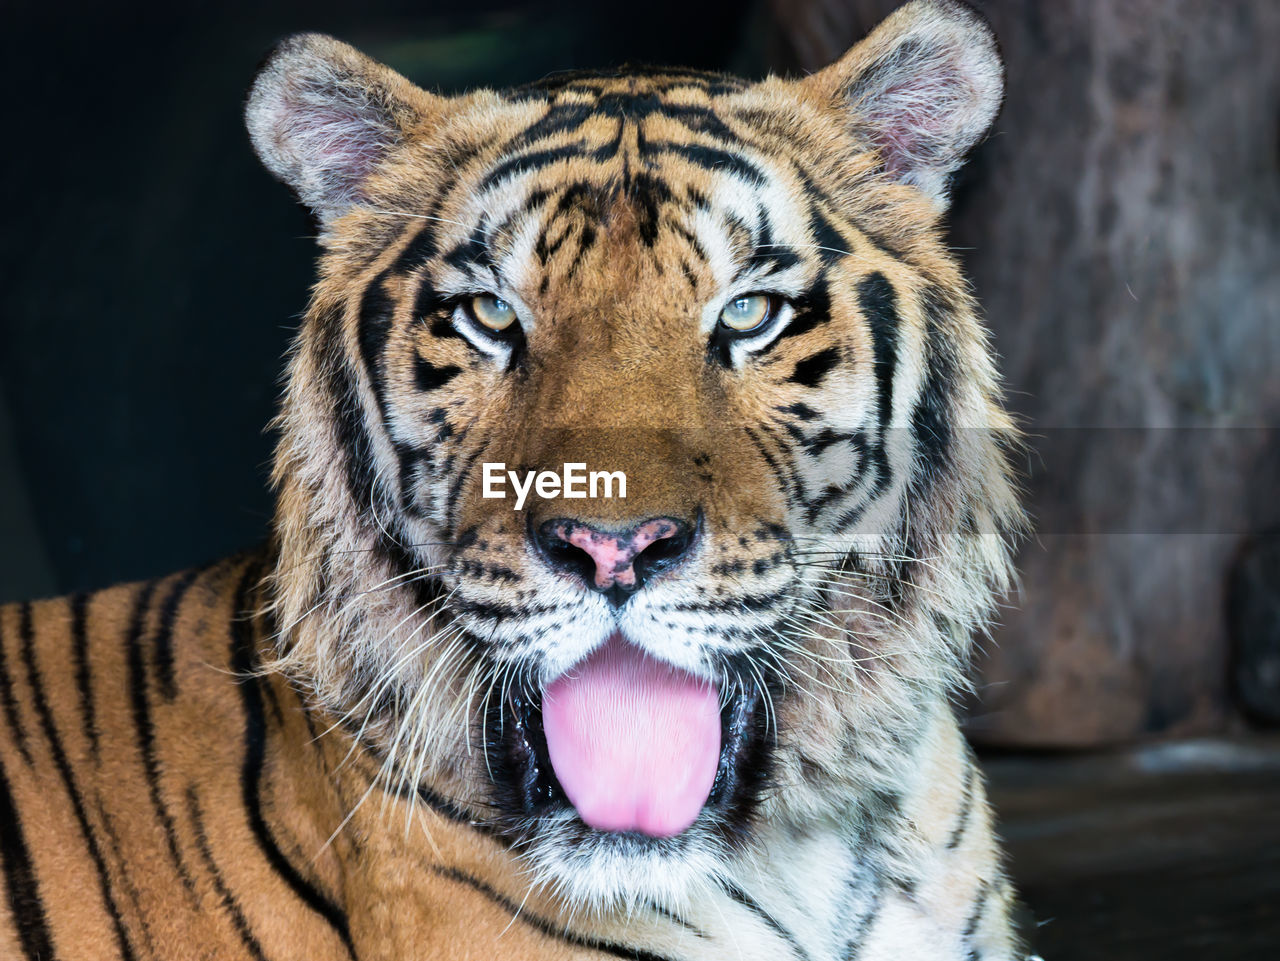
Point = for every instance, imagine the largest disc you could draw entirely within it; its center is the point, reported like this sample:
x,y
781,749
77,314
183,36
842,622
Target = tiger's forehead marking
x,y
597,187
630,78
663,151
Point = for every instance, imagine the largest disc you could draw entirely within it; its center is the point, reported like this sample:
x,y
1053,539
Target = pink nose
x,y
613,559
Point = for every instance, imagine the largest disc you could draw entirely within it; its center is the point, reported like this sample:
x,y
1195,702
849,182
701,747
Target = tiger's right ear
x,y
921,89
322,116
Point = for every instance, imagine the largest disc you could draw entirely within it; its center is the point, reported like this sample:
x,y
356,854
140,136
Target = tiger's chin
x,y
600,869
606,871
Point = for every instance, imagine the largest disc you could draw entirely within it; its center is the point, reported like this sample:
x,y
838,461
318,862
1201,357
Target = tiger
x,y
707,713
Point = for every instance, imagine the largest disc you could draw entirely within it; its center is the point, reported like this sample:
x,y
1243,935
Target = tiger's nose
x,y
616,563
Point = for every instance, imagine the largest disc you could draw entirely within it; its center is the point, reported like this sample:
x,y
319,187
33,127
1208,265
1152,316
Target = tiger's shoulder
x,y
140,774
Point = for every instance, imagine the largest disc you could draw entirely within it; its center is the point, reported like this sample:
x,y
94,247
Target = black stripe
x,y
931,421
408,459
353,433
985,890
68,780
628,107
543,926
811,309
455,488
558,119
803,411
788,470
435,310
674,918
423,246
688,236
84,677
440,327
864,924
712,159
766,253
499,611
20,882
10,702
474,250
745,602
663,79
376,317
689,276
741,897
534,160
966,810
553,247
878,304
832,245
224,893
703,120
122,879
772,258
242,665
774,464
448,808
348,412
698,199
427,376
273,702
377,310
825,232
583,197
586,240
875,461
648,194
821,501
738,232
815,444
163,642
400,787
810,371
146,732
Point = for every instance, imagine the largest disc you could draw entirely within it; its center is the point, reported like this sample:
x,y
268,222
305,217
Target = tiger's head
x,y
733,300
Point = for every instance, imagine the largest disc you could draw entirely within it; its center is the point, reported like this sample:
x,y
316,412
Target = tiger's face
x,y
718,320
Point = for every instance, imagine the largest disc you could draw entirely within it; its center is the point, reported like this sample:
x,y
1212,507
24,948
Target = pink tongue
x,y
634,742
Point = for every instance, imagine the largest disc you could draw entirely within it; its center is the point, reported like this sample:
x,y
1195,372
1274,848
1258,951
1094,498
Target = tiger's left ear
x,y
323,117
922,89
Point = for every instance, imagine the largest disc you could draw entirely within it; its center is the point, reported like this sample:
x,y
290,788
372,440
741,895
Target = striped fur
x,y
307,752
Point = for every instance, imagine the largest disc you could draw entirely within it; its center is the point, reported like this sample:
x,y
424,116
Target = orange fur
x,y
289,754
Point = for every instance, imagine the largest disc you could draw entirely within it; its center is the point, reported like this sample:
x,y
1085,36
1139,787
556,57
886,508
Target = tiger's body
x,y
352,743
156,806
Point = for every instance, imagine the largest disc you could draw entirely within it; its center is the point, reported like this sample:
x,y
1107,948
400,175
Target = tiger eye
x,y
493,312
746,313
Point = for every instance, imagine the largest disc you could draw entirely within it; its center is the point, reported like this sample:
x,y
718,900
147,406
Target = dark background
x,y
154,272
1122,227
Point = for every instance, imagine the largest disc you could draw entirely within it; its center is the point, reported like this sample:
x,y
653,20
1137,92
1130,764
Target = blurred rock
x,y
1253,618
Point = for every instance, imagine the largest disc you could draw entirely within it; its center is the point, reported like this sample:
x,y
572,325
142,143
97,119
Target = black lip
x,y
525,785
519,764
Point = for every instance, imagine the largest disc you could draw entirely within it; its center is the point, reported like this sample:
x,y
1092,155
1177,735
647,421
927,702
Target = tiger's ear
x,y
922,89
322,116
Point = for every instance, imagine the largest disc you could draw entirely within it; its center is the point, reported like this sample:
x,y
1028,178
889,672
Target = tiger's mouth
x,y
631,746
